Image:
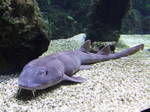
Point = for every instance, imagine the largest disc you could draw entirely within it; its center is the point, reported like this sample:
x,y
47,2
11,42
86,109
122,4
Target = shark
x,y
52,69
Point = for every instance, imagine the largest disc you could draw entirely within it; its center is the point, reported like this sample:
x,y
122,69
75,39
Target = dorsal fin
x,y
86,47
105,50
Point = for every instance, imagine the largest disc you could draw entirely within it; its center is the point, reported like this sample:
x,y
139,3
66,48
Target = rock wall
x,y
100,19
132,22
66,17
139,14
23,34
105,19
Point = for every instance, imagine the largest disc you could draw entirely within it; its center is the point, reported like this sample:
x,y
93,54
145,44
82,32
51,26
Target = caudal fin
x,y
127,52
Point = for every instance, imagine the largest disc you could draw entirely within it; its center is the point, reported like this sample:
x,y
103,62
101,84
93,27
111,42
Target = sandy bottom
x,y
121,85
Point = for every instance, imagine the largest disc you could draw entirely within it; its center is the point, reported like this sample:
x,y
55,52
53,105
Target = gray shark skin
x,y
47,71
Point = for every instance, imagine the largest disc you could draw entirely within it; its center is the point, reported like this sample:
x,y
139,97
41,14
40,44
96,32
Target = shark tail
x,y
127,52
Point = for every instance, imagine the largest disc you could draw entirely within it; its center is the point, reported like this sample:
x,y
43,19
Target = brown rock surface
x,y
23,34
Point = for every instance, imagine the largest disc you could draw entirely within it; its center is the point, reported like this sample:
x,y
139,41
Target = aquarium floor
x,y
121,85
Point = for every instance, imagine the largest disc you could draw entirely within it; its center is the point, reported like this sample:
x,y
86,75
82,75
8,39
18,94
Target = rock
x,y
71,43
43,4
61,24
105,19
127,41
66,17
78,9
137,20
145,7
146,25
79,37
132,22
23,34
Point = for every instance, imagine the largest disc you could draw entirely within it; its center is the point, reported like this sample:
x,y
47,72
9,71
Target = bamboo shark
x,y
50,70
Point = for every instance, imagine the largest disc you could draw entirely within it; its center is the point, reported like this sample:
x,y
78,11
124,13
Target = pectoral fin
x,y
74,79
85,67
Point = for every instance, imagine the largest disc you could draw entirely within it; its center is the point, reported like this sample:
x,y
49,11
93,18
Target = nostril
x,y
22,83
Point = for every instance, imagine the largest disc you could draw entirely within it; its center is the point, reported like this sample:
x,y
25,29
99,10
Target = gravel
x,y
121,85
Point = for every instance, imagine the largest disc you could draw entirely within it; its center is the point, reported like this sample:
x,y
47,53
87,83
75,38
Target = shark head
x,y
38,77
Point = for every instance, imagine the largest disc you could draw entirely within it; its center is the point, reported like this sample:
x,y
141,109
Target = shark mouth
x,y
19,91
33,89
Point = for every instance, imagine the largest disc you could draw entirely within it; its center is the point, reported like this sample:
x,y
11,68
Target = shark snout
x,y
28,84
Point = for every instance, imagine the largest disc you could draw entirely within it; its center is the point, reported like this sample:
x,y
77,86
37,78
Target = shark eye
x,y
43,71
46,72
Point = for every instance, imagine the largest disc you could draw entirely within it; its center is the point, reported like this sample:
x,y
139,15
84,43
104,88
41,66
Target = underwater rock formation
x,y
137,17
43,4
61,24
23,34
105,19
78,9
143,6
66,17
146,24
101,19
132,22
